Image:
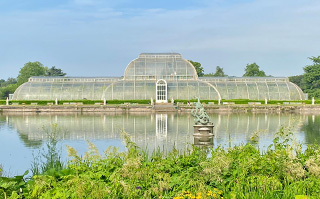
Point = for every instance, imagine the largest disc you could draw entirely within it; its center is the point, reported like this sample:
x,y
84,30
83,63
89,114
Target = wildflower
x,y
138,187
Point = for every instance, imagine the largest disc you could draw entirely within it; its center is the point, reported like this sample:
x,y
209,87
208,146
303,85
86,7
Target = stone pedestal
x,y
203,134
200,129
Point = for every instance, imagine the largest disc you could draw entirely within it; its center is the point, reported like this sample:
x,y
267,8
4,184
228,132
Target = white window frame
x,y
161,91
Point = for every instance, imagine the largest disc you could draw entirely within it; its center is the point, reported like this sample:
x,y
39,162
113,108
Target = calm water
x,y
24,135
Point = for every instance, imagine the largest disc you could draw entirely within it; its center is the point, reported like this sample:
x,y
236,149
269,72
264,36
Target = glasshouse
x,y
159,76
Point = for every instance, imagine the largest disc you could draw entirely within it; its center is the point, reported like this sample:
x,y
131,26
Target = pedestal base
x,y
203,129
203,134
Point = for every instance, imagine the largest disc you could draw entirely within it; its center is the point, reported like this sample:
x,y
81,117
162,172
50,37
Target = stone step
x,y
163,107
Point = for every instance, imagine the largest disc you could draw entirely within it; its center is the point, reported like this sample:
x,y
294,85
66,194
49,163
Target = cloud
x,y
106,35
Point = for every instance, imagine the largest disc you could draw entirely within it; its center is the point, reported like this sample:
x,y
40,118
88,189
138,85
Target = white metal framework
x,y
161,91
179,80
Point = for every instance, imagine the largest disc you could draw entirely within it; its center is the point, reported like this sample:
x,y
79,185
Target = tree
x,y
30,69
219,72
9,89
53,71
311,77
297,79
198,68
252,70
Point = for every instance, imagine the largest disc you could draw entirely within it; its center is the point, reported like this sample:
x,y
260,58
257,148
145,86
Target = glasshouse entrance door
x,y
161,91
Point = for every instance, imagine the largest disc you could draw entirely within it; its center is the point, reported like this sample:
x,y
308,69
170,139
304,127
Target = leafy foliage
x,y
50,158
6,90
30,69
311,77
282,171
219,73
12,186
10,81
53,71
297,80
7,87
252,70
198,68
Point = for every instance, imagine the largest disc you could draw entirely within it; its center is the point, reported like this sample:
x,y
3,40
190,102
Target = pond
x,y
24,135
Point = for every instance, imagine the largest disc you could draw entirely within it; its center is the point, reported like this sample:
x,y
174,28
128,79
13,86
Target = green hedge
x,y
28,102
61,102
246,101
128,101
236,101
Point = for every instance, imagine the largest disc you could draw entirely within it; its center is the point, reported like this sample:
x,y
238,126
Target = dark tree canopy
x,y
198,68
297,80
311,77
219,72
7,87
252,70
53,71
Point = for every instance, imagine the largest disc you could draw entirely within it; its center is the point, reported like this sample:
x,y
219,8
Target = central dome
x,y
153,66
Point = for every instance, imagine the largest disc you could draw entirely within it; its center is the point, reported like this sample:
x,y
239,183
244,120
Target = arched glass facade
x,y
140,80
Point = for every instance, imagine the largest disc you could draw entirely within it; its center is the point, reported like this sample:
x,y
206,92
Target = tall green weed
x,y
283,170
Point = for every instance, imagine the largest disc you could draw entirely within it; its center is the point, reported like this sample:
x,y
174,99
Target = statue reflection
x,y
203,140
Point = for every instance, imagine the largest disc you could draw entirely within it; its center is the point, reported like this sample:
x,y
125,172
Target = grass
x,y
282,171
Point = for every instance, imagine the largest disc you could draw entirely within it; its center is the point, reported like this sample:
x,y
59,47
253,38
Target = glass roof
x,y
153,66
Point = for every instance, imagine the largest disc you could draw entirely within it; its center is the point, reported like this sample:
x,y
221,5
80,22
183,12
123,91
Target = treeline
x,y
251,70
28,70
309,81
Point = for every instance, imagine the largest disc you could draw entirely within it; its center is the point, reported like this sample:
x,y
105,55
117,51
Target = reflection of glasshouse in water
x,y
161,77
153,130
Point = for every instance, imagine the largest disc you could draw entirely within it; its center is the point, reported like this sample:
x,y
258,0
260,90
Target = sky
x,y
101,37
